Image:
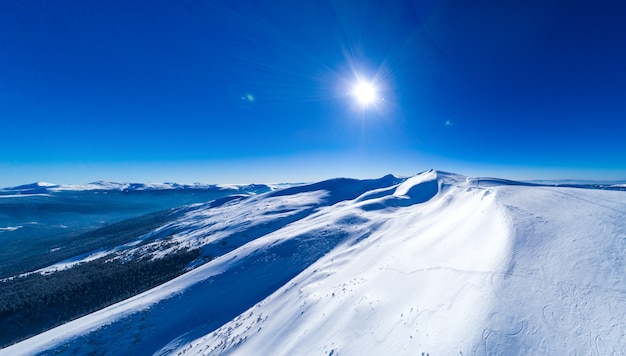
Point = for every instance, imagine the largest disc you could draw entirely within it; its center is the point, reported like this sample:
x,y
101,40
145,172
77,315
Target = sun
x,y
365,93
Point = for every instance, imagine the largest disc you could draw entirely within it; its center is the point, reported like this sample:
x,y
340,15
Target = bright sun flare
x,y
365,93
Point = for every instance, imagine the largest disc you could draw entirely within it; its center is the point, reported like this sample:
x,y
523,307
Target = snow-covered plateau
x,y
434,264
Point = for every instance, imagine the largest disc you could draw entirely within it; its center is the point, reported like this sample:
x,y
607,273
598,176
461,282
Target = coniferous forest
x,y
37,302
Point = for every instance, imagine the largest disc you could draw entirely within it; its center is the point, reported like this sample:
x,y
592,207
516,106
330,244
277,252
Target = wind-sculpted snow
x,y
432,264
565,289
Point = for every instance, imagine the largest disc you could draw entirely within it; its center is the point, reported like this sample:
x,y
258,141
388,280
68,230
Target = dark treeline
x,y
16,259
35,303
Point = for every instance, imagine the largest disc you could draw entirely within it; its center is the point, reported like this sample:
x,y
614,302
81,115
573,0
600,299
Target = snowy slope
x,y
437,263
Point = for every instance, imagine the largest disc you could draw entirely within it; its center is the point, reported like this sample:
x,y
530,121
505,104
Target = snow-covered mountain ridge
x,y
45,187
437,263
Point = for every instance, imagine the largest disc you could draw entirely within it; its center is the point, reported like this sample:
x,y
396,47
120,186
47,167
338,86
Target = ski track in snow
x,y
432,264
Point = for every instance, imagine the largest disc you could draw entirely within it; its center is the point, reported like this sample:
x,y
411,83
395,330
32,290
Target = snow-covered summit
x,y
32,188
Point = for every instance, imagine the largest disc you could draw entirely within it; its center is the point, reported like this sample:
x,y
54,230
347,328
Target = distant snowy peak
x,y
33,188
37,185
45,184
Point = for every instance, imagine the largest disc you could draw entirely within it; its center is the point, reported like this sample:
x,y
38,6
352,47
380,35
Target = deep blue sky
x,y
257,91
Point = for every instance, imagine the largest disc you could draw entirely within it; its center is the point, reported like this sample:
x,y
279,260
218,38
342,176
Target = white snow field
x,y
435,264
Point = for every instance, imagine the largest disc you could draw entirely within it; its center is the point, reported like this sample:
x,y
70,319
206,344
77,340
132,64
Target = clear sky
x,y
264,91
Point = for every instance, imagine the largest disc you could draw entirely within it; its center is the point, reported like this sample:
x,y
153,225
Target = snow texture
x,y
432,264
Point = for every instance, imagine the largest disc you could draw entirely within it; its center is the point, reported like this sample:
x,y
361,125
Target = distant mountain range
x,y
44,187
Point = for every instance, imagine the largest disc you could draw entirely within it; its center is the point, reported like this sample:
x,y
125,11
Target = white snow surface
x,y
10,228
45,184
432,264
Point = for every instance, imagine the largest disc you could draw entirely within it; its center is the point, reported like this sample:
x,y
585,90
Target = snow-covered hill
x,y
432,264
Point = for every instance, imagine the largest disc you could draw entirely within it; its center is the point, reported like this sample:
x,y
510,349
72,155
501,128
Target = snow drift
x,y
432,264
